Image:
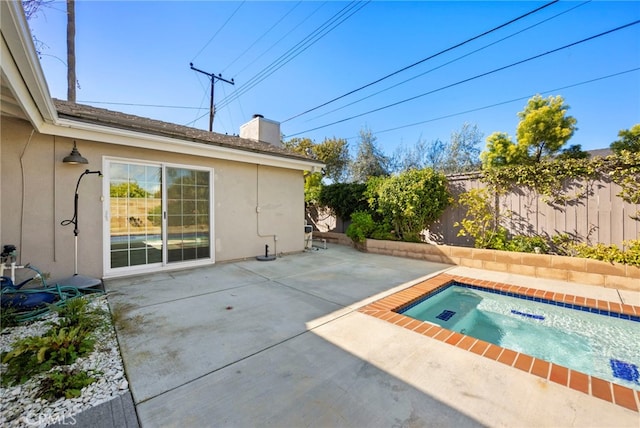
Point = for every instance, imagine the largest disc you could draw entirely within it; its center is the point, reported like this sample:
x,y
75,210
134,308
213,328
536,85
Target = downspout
x,y
23,192
274,236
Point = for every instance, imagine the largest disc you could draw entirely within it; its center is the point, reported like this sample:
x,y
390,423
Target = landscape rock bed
x,y
20,405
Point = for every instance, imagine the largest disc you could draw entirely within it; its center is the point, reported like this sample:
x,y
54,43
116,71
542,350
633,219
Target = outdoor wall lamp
x,y
75,157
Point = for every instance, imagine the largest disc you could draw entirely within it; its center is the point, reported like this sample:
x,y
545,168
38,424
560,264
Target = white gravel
x,y
19,406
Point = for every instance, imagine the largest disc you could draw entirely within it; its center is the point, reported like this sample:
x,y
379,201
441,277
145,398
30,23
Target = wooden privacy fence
x,y
597,215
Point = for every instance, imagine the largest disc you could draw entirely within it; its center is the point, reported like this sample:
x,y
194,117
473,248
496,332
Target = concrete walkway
x,y
279,343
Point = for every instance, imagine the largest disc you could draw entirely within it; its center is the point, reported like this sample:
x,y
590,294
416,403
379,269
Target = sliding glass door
x,y
158,215
188,222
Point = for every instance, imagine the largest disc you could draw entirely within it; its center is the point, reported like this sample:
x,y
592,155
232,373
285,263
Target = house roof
x,y
114,119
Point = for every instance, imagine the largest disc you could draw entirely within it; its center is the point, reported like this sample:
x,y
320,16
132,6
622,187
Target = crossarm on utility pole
x,y
212,77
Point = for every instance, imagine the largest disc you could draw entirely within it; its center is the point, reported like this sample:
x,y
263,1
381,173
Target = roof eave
x,y
21,67
106,134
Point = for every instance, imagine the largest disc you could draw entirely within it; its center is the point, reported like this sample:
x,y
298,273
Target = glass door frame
x,y
110,272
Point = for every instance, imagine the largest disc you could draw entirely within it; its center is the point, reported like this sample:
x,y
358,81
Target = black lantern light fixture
x,y
75,157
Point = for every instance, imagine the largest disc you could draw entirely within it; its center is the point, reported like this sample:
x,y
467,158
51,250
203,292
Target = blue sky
x,y
134,54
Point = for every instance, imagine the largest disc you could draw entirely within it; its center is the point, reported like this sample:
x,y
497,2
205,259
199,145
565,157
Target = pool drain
x,y
446,315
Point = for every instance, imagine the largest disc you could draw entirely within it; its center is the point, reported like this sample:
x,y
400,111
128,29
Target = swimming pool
x,y
595,342
389,308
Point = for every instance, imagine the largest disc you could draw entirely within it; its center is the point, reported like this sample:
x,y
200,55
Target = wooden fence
x,y
598,215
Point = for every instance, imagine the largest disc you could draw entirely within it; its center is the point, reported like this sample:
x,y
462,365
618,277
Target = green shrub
x,y
481,221
528,244
412,200
77,313
8,317
64,383
630,254
361,227
344,198
32,355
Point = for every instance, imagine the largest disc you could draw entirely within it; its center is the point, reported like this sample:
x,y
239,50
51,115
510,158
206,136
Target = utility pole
x,y
71,51
213,81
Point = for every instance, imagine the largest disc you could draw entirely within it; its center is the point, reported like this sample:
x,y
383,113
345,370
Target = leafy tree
x,y
459,154
412,200
574,151
334,152
463,151
369,162
544,127
543,130
629,140
501,151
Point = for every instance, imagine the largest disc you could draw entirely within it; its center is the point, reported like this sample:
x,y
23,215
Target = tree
x,y
459,154
543,130
369,162
544,127
574,151
463,151
334,152
629,140
501,150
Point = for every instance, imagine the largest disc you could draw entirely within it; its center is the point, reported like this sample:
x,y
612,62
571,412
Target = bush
x,y
64,383
412,200
361,227
481,221
630,254
344,198
528,244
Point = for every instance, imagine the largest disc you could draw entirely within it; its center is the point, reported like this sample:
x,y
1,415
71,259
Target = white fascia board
x,y
105,134
23,70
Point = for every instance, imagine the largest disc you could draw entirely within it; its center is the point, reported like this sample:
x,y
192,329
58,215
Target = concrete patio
x,y
280,343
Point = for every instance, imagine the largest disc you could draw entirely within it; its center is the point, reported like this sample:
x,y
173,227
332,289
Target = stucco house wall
x,y
257,196
254,205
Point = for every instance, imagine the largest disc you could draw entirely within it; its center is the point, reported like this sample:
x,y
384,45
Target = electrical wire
x,y
449,62
526,97
282,38
470,78
219,29
141,105
300,47
263,35
423,60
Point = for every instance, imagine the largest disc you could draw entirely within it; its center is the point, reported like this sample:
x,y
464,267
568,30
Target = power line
x,y
141,105
526,97
282,38
262,36
300,47
471,78
422,60
449,62
217,32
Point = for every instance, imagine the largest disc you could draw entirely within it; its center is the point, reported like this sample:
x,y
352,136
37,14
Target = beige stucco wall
x,y
31,220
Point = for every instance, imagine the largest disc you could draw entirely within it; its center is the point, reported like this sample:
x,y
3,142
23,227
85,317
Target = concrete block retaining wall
x,y
573,269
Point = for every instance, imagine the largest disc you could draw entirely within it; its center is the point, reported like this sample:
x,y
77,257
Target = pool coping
x,y
386,307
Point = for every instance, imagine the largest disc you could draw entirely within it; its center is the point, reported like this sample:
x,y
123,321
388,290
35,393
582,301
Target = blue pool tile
x,y
624,370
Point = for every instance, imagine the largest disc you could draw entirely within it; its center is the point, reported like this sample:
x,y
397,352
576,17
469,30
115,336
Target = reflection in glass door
x,y
188,221
135,199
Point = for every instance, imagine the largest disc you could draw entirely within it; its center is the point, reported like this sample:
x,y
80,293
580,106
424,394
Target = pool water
x,y
604,346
